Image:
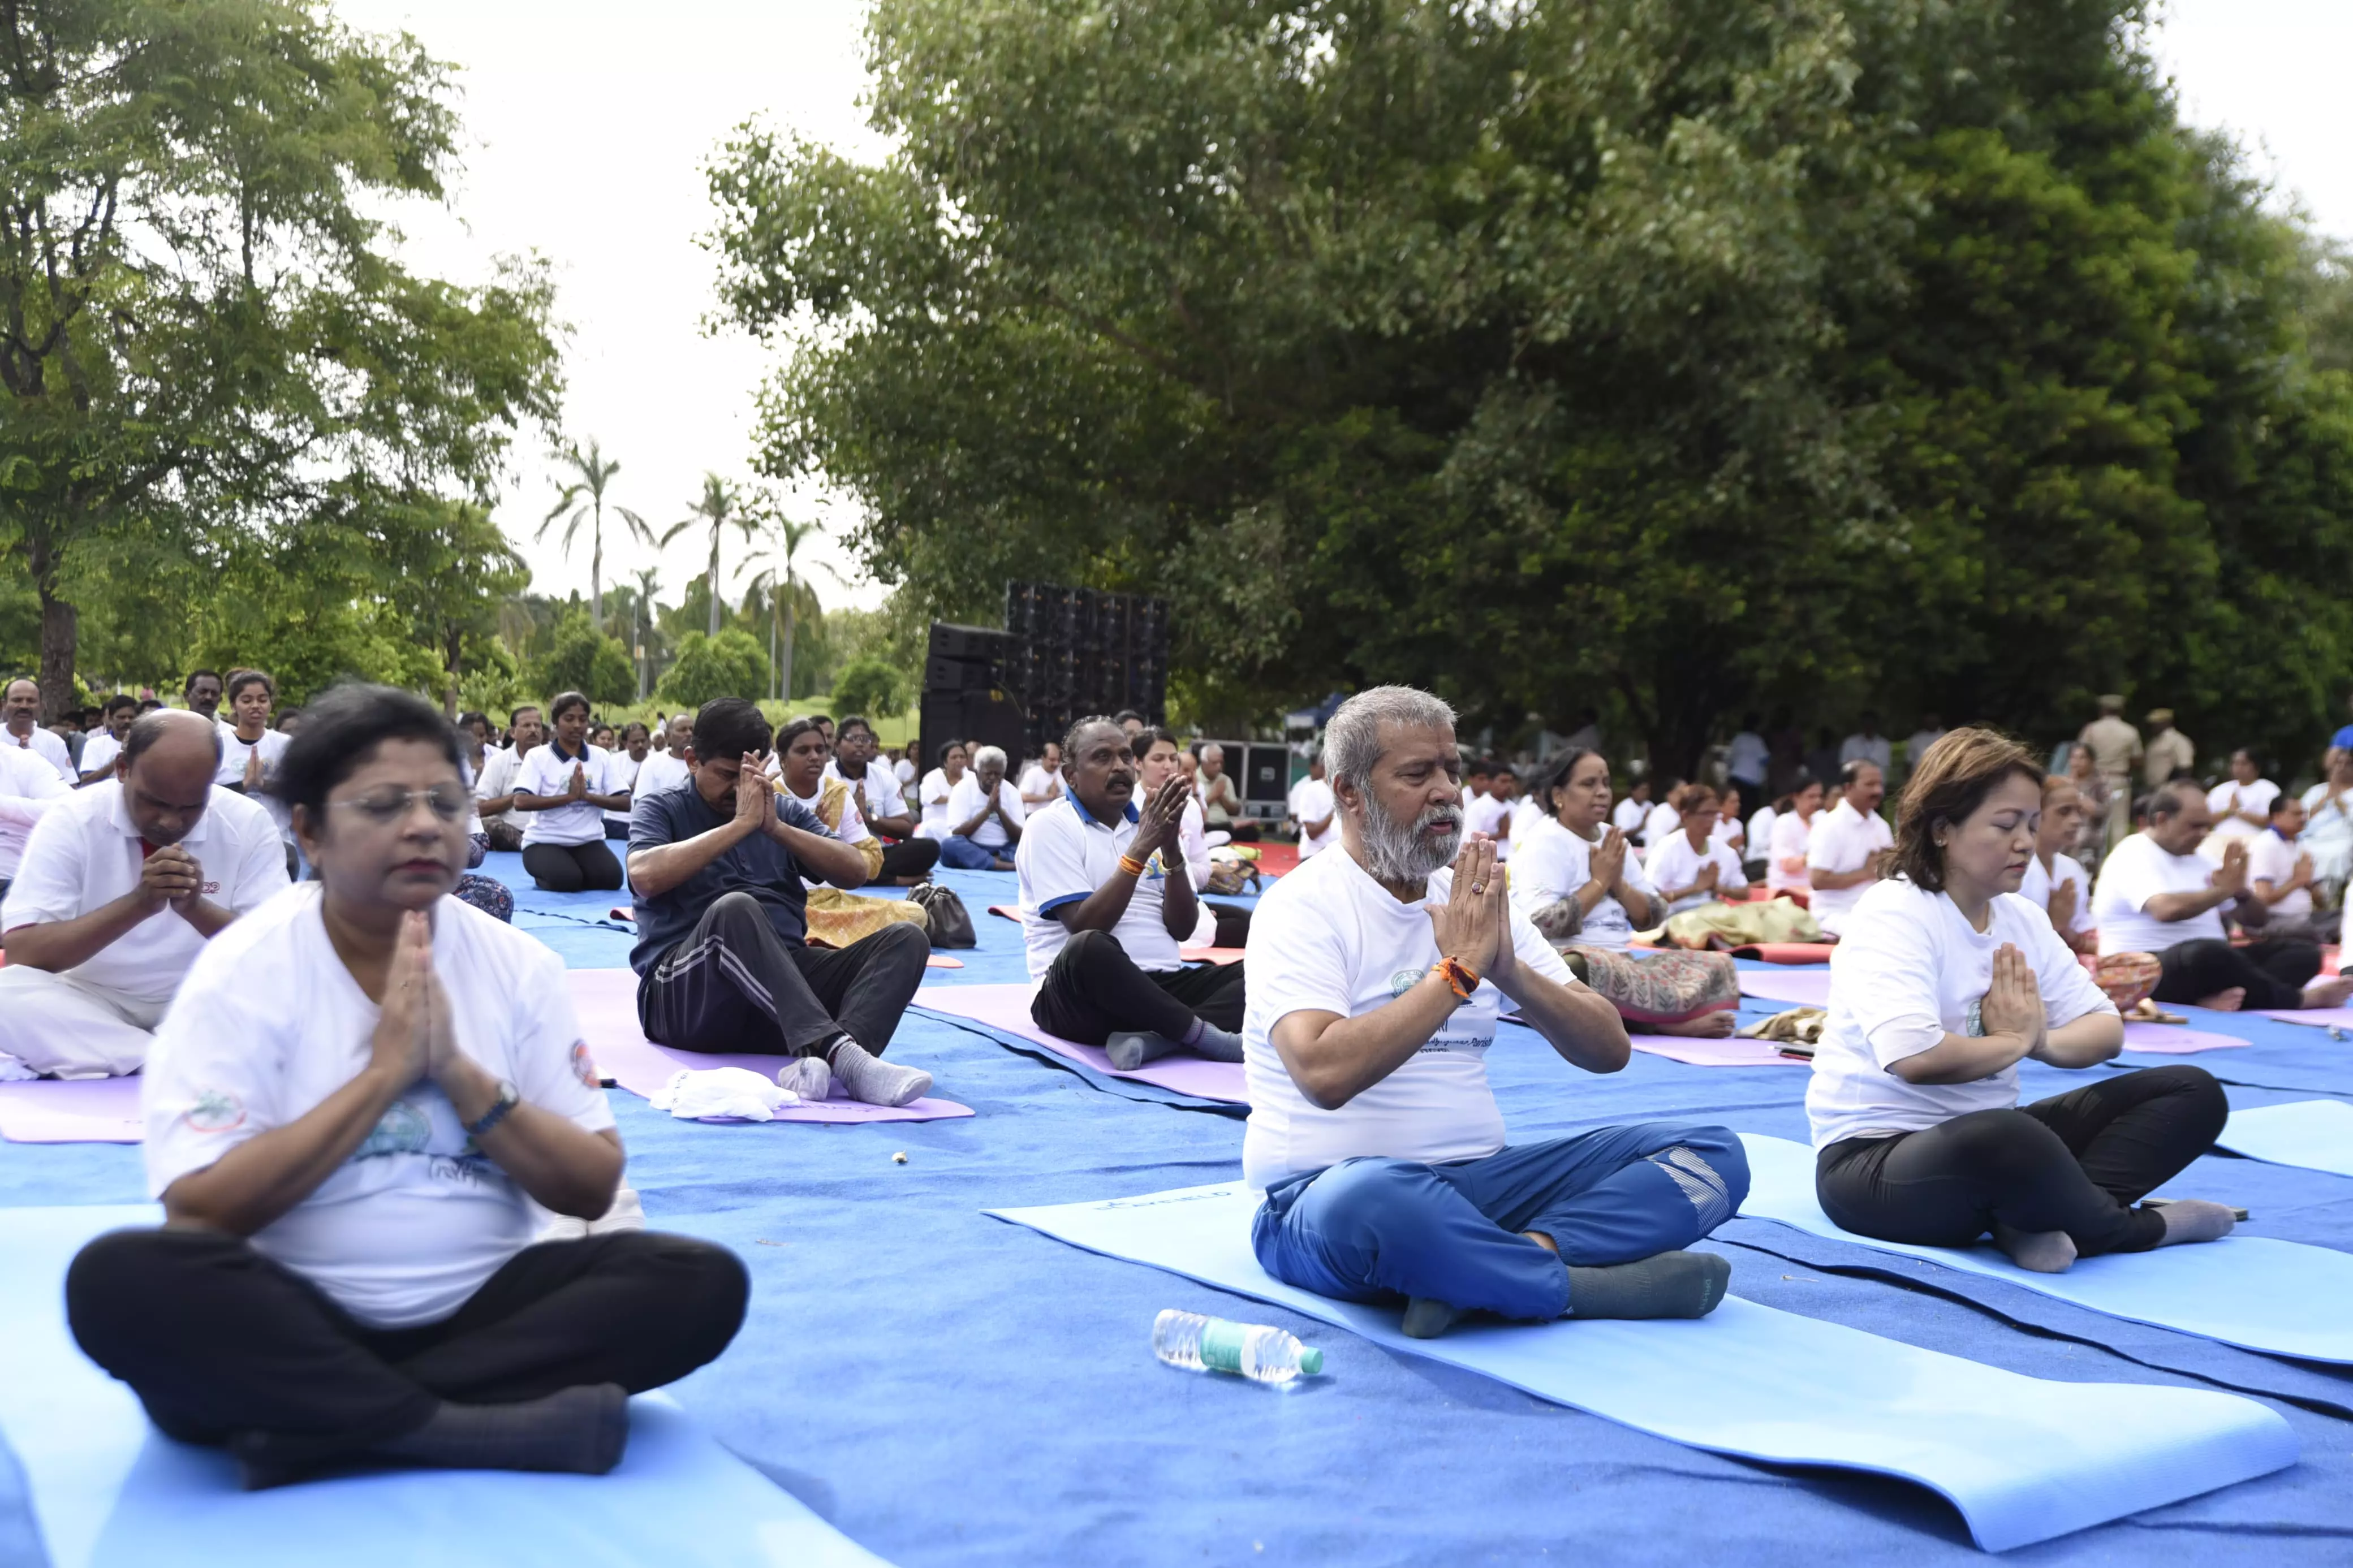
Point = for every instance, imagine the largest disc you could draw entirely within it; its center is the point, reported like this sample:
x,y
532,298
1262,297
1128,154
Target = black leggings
x,y
2274,974
913,858
249,1345
1094,990
2077,1163
573,868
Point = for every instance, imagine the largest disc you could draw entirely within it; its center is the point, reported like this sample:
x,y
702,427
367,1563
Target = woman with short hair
x,y
357,1096
1944,981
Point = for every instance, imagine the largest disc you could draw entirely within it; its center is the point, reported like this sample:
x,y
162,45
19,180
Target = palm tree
x,y
722,504
649,581
784,575
594,473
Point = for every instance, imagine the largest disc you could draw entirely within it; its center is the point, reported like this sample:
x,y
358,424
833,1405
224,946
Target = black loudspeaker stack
x,y
1080,651
970,693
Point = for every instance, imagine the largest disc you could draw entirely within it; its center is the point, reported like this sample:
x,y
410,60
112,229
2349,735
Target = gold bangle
x,y
1132,865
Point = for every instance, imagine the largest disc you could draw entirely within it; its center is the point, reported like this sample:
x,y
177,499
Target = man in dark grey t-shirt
x,y
716,866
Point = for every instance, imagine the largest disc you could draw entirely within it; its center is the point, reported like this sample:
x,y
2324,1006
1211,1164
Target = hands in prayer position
x,y
1159,823
2231,876
2013,1003
2062,907
1609,859
171,877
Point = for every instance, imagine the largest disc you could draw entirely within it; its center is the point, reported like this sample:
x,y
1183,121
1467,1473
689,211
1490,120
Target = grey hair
x,y
981,758
1352,740
1213,747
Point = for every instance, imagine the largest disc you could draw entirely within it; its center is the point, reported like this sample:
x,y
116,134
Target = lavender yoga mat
x,y
609,1017
1726,1053
2317,1017
2173,1040
1790,987
85,1111
1006,1008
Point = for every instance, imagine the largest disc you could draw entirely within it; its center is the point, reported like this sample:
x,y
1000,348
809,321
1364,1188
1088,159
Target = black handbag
x,y
945,916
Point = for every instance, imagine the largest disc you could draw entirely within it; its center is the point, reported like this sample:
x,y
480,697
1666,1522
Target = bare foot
x,y
2330,991
2231,1001
1715,1026
2195,1219
2043,1251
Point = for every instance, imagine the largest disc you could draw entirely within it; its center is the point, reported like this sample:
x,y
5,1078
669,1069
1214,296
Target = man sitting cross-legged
x,y
1376,976
1106,901
716,871
121,887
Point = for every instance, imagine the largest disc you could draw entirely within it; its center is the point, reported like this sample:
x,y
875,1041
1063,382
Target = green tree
x,y
778,584
719,505
450,582
594,471
728,664
870,687
206,328
642,633
582,658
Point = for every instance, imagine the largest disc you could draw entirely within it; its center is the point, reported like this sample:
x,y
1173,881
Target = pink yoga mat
x,y
936,960
609,1016
85,1111
1727,1053
1791,987
2317,1017
1007,1007
2173,1040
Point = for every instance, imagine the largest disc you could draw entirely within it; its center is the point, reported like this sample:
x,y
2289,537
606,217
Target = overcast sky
x,y
589,123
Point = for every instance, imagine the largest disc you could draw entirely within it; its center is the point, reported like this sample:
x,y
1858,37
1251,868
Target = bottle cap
x,y
1311,1361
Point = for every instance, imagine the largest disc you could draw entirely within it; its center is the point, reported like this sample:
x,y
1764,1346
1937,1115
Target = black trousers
x,y
914,857
1094,990
2076,1162
736,985
248,1345
573,868
505,838
2274,973
1233,924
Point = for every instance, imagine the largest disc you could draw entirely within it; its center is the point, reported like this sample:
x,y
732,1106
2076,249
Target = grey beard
x,y
1397,852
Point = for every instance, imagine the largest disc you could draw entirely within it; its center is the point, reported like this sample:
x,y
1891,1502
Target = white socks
x,y
807,1076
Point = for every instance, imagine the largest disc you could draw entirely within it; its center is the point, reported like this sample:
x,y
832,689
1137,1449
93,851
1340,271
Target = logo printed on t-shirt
x,y
215,1110
1405,980
402,1130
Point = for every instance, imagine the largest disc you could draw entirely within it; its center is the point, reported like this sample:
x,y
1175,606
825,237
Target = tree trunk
x,y
775,691
596,578
784,666
60,624
452,658
714,579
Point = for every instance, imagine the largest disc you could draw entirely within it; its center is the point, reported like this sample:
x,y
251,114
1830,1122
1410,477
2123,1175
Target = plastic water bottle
x,y
1261,1353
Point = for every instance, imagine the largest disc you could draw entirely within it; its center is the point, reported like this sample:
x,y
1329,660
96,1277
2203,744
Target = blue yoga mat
x,y
2022,1458
2314,1133
2278,1297
109,1491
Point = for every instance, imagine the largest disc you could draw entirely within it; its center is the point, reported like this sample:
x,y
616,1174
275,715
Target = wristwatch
x,y
509,1098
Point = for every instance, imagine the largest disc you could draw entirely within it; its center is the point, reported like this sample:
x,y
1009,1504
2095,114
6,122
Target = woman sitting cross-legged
x,y
356,1094
1576,879
1944,980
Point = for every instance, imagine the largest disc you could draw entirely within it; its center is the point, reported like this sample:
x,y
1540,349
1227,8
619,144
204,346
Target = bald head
x,y
167,765
20,706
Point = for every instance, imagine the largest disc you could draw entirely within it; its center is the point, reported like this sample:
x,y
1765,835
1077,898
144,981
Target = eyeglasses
x,y
385,806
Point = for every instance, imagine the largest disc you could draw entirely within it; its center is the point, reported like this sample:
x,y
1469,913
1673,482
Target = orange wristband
x,y
1459,977
1132,865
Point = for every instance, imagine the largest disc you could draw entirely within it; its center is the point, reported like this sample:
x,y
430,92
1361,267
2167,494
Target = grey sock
x,y
1668,1285
1427,1317
2194,1220
1131,1048
1214,1043
869,1079
2040,1251
807,1076
578,1431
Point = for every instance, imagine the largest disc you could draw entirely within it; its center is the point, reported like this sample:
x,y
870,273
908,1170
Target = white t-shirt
x,y
1909,972
230,774
1193,843
1674,863
623,771
1553,864
1759,842
270,1024
1041,786
1791,840
1748,757
2270,858
1311,801
658,772
1862,748
2037,886
1066,855
1729,833
1843,841
1662,823
1329,939
2232,795
99,750
934,798
882,797
30,788
547,771
1627,817
903,771
2135,871
499,767
1493,817
85,854
1526,814
43,743
965,803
